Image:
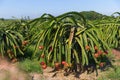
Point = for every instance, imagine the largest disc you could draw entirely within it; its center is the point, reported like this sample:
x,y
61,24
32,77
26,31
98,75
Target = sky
x,y
35,8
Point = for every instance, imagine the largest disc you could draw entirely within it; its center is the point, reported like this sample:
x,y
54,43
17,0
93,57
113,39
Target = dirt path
x,y
9,71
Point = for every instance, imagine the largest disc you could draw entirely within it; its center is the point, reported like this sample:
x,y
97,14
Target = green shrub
x,y
111,74
30,65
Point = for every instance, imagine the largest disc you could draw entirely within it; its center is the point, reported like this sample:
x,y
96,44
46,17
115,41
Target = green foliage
x,y
112,74
115,74
66,37
110,33
22,26
70,37
10,42
30,65
92,15
28,51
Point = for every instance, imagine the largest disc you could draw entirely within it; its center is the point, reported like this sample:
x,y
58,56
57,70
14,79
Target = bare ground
x,y
9,71
84,76
59,76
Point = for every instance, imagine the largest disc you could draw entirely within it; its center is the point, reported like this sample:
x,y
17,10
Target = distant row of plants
x,y
68,41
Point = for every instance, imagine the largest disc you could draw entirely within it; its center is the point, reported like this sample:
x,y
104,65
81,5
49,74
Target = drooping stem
x,y
71,35
69,44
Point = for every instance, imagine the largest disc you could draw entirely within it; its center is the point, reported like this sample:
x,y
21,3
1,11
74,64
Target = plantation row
x,y
68,41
